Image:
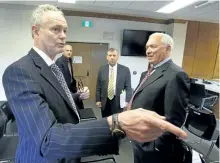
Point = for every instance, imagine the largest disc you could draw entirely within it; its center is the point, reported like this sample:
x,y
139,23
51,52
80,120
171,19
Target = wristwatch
x,y
116,129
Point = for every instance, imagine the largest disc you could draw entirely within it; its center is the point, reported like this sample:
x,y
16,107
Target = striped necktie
x,y
61,79
111,85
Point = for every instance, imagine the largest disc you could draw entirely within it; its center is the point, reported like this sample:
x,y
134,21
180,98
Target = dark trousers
x,y
110,108
164,156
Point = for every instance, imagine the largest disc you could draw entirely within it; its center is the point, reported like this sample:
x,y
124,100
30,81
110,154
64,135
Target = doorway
x,y
89,57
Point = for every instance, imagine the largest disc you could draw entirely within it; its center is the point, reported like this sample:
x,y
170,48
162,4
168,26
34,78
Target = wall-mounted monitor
x,y
134,41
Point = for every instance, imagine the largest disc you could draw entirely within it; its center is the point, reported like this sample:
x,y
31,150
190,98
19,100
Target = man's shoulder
x,y
123,67
176,70
103,67
21,64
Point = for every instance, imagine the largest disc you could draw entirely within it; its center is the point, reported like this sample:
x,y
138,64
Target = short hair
x,y
67,45
39,11
166,39
112,50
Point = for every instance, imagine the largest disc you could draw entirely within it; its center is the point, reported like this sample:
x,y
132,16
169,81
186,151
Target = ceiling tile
x,y
85,2
154,6
191,10
140,5
121,4
103,3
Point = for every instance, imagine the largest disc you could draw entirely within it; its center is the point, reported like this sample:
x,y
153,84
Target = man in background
x,y
65,65
112,79
164,88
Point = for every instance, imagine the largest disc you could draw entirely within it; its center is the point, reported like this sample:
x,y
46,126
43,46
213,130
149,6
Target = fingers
x,y
166,126
159,116
153,113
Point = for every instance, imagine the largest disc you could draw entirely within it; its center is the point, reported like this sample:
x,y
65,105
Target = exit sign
x,y
87,24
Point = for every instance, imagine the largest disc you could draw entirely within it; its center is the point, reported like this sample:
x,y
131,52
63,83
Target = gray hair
x,y
166,39
40,10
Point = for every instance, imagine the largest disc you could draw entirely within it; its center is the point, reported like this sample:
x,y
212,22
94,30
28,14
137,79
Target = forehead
x,y
68,47
54,18
154,39
112,52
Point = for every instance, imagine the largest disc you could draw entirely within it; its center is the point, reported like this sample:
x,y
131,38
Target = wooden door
x,y
81,70
190,47
216,70
98,53
93,56
206,50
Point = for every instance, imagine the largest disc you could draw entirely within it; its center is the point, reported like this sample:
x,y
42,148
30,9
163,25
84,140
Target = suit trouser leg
x,y
107,110
137,158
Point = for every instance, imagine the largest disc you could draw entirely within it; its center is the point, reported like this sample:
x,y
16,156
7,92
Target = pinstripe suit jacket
x,y
48,127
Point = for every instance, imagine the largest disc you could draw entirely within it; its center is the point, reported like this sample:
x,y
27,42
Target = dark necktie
x,y
62,82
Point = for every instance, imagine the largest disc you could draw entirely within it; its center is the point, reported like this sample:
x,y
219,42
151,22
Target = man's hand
x,y
84,94
144,125
99,104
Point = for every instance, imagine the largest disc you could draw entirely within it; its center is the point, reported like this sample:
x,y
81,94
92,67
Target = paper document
x,y
122,99
196,158
77,59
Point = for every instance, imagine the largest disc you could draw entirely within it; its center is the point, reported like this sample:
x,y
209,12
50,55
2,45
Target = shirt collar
x,y
114,67
44,56
162,62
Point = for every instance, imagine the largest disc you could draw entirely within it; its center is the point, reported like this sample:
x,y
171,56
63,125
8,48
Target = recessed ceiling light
x,y
175,5
66,1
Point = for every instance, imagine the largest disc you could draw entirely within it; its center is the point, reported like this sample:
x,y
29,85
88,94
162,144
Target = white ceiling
x,y
147,8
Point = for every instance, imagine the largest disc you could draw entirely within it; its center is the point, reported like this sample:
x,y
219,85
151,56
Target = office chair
x,y
8,134
200,98
201,123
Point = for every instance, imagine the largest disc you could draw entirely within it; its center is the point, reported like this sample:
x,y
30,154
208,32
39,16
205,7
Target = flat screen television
x,y
134,41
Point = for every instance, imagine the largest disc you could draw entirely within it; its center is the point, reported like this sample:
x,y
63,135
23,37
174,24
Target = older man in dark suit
x,y
65,65
112,79
164,88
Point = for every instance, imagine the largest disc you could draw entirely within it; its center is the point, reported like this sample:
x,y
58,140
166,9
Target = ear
x,y
35,31
168,48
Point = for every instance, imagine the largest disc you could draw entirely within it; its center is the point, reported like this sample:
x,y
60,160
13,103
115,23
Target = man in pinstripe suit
x,y
46,116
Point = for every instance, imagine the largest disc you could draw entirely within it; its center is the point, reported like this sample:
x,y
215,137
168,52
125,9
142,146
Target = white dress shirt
x,y
115,75
44,56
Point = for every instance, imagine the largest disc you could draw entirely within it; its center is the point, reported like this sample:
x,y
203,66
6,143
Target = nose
x,y
62,35
148,51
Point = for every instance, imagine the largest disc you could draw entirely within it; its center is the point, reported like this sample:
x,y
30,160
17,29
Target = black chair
x,y
8,134
86,114
201,123
200,98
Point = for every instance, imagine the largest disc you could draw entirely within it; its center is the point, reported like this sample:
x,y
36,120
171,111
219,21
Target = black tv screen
x,y
134,42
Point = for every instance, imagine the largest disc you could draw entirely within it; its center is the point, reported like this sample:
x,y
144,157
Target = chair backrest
x,y
5,116
197,90
201,123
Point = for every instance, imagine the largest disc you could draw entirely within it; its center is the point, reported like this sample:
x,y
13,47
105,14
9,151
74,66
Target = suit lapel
x,y
106,74
156,75
118,77
48,75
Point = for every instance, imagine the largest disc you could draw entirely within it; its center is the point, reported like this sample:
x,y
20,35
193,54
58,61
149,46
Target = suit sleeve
x,y
37,122
175,102
127,85
98,87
